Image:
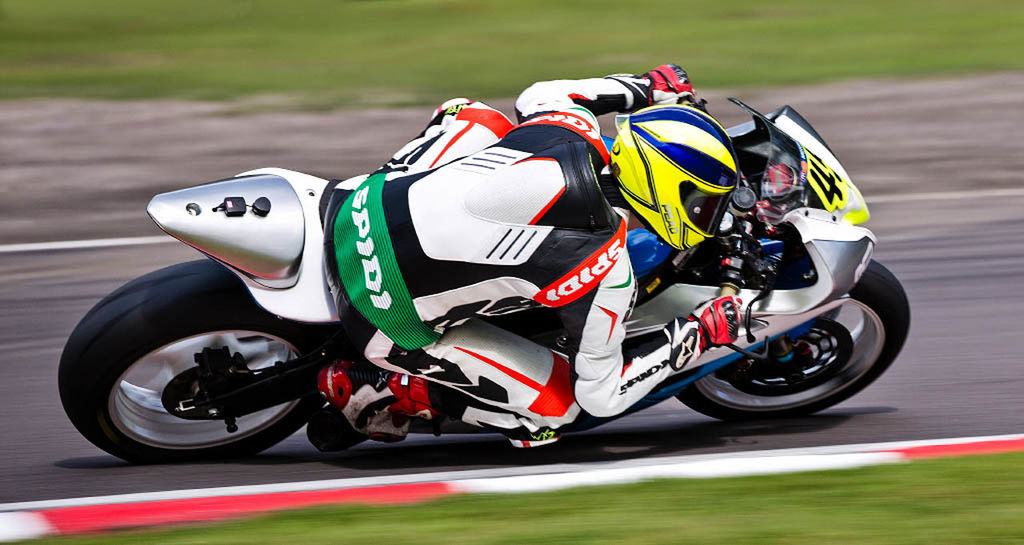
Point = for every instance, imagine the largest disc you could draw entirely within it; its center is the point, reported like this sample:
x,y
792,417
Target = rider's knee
x,y
464,109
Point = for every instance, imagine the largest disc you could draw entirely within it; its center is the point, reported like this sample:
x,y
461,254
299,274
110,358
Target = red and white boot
x,y
375,402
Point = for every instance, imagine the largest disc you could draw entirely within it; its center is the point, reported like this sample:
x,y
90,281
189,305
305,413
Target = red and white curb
x,y
27,520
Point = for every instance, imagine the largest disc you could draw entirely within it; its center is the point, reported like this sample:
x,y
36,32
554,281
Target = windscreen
x,y
781,184
784,182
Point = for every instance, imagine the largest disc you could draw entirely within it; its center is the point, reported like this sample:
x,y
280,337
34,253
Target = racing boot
x,y
524,438
375,402
412,396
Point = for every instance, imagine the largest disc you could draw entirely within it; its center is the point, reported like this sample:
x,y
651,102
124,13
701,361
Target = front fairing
x,y
817,201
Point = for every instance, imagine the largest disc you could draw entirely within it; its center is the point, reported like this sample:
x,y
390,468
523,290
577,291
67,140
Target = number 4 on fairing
x,y
830,188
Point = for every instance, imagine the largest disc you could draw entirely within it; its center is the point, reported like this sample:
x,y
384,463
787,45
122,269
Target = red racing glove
x,y
714,323
669,85
719,321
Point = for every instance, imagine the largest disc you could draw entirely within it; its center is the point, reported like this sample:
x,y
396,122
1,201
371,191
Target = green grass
x,y
961,500
348,52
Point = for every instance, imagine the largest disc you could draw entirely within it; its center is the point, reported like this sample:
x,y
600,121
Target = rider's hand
x,y
714,323
669,85
719,321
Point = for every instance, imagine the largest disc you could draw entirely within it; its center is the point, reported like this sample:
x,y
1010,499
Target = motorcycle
x,y
219,357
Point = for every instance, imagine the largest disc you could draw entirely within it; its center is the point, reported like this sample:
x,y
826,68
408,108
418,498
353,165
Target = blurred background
x,y
106,103
110,101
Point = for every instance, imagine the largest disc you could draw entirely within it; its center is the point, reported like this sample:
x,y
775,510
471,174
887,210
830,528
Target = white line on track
x,y
722,467
139,241
697,464
948,195
82,244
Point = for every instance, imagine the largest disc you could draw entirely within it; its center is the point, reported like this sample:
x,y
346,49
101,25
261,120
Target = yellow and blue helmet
x,y
676,168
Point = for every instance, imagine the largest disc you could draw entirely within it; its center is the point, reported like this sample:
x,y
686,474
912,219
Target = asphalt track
x,y
961,260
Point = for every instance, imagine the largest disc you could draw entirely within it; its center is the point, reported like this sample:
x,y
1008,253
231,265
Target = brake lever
x,y
748,316
751,338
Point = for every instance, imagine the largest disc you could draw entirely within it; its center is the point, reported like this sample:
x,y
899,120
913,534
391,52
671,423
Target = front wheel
x,y
844,350
126,350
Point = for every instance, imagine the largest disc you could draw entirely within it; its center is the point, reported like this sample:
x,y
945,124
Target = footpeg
x,y
329,431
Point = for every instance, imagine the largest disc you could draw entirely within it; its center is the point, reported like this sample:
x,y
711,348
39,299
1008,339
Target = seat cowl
x,y
268,248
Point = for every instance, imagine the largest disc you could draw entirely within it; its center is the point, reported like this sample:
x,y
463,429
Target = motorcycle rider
x,y
478,217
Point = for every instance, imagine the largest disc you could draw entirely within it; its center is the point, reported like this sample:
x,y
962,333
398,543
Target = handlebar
x,y
742,256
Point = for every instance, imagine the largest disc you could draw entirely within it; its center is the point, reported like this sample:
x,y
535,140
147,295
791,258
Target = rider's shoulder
x,y
547,129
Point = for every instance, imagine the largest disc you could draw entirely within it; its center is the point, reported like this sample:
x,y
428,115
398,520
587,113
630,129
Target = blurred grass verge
x,y
955,500
328,53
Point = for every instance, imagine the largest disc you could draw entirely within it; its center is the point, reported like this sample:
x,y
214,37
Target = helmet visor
x,y
703,210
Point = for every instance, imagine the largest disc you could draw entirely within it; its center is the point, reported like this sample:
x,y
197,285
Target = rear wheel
x,y
126,350
844,351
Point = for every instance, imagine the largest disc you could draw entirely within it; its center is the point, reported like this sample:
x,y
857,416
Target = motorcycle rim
x,y
135,405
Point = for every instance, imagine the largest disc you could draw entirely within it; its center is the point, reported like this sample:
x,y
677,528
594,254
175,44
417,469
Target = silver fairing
x,y
279,257
839,253
268,249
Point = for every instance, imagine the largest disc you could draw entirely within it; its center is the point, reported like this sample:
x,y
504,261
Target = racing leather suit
x,y
479,218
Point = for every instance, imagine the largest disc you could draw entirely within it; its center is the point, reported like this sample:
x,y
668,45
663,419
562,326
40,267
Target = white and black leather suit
x,y
486,218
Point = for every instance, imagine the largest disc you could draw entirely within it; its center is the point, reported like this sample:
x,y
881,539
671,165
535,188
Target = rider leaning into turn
x,y
479,217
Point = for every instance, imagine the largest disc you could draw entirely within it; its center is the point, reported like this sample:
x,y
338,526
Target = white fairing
x,y
309,299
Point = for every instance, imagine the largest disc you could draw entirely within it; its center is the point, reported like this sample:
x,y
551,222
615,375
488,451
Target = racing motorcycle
x,y
219,357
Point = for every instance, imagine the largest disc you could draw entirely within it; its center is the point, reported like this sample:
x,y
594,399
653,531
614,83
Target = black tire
x,y
880,290
153,311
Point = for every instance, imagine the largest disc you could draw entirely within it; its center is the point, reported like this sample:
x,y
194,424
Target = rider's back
x,y
485,234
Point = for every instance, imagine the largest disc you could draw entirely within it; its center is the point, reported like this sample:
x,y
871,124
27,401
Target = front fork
x,y
742,257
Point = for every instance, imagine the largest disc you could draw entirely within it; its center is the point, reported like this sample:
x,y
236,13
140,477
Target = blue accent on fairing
x,y
672,390
792,276
608,142
646,251
772,247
